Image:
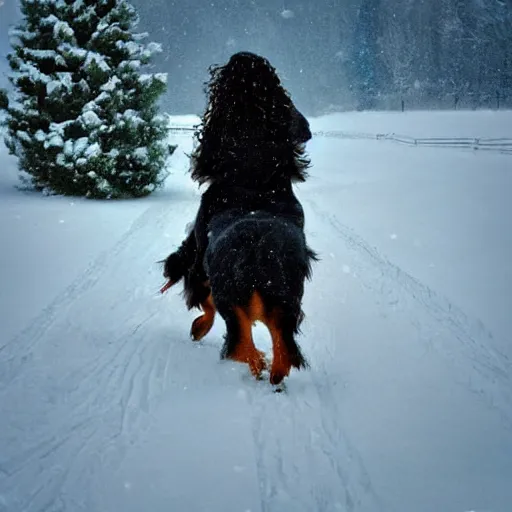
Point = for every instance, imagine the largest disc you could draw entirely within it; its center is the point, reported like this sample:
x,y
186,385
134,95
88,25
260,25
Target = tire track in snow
x,y
467,343
304,459
109,410
82,379
29,337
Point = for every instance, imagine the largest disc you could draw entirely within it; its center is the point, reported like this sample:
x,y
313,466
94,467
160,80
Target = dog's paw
x,y
278,372
258,364
201,327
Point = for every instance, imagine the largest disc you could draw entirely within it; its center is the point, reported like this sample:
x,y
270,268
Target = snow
x,y
112,83
80,145
73,50
24,136
29,70
77,5
61,29
60,127
81,149
84,85
54,141
61,157
65,79
463,123
45,55
103,96
98,59
145,78
131,64
189,120
131,47
102,25
107,405
22,34
54,85
93,150
132,116
140,36
154,47
90,119
50,20
141,154
161,77
40,135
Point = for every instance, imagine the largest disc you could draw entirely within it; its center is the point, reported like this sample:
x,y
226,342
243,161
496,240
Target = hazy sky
x,y
332,54
8,15
293,34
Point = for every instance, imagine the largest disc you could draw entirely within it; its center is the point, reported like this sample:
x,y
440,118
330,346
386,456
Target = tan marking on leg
x,y
246,351
256,308
281,364
202,324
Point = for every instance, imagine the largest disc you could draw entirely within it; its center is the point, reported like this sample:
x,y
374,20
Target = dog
x,y
247,255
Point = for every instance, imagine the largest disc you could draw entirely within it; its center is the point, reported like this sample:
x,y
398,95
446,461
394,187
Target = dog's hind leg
x,y
239,345
286,353
202,324
281,363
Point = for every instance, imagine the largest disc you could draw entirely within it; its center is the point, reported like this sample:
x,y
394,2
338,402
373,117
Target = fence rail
x,y
499,144
182,129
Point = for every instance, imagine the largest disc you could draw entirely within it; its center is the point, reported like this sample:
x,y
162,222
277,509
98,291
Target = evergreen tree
x,y
85,121
368,69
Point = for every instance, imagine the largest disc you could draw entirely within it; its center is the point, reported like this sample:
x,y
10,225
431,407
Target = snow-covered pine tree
x,y
86,119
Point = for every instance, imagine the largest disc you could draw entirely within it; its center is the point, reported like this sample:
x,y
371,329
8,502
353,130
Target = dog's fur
x,y
247,255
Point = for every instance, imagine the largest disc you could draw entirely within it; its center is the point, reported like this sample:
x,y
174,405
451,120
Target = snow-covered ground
x,y
105,404
462,123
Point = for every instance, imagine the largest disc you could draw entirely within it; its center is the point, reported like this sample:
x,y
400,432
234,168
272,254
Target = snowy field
x,y
463,123
105,404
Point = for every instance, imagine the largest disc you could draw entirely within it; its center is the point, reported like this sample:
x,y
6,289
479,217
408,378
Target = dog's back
x,y
256,252
257,264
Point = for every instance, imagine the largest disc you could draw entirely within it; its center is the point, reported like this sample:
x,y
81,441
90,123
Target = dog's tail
x,y
174,270
175,267
178,263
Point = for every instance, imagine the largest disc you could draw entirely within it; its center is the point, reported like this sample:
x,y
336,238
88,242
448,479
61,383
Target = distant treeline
x,y
432,53
346,54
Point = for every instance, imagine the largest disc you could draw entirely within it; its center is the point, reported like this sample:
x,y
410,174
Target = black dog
x,y
247,255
